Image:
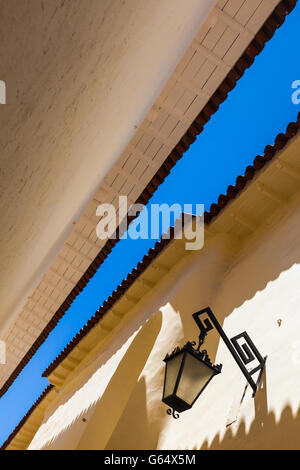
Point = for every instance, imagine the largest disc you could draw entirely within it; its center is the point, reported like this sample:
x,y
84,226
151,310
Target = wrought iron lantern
x,y
189,370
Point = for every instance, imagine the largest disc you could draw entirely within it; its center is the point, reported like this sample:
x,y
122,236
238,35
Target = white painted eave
x,y
80,78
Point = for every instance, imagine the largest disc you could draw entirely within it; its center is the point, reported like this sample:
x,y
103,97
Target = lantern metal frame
x,y
173,400
242,354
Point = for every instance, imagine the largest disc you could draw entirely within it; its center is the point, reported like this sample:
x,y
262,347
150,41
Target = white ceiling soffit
x,y
80,77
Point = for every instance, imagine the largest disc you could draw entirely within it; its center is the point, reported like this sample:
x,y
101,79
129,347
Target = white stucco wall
x,y
257,291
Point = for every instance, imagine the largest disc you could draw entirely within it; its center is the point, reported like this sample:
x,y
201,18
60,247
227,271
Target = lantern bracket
x,y
172,412
243,354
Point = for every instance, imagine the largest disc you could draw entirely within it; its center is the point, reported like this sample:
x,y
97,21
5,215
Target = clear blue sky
x,y
254,113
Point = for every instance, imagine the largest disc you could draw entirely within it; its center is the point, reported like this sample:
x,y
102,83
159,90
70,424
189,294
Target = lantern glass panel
x,y
172,371
195,376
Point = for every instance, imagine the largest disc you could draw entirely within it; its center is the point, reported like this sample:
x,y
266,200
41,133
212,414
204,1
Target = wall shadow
x,y
120,389
273,256
264,432
121,419
145,431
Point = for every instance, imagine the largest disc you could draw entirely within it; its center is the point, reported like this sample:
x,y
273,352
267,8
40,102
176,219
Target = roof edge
x,y
26,417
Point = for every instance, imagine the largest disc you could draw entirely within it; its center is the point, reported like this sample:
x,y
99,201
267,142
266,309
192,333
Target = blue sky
x,y
254,113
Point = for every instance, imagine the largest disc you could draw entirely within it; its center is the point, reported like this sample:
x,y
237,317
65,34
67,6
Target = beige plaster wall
x,y
119,390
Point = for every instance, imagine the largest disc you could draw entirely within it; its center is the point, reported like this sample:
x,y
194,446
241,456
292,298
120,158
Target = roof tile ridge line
x,y
116,295
260,161
26,416
273,22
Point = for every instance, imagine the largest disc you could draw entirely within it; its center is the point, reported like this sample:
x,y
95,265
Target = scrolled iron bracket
x,y
243,354
172,412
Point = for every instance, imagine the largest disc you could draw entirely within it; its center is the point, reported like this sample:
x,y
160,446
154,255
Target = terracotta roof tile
x,y
259,162
28,414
